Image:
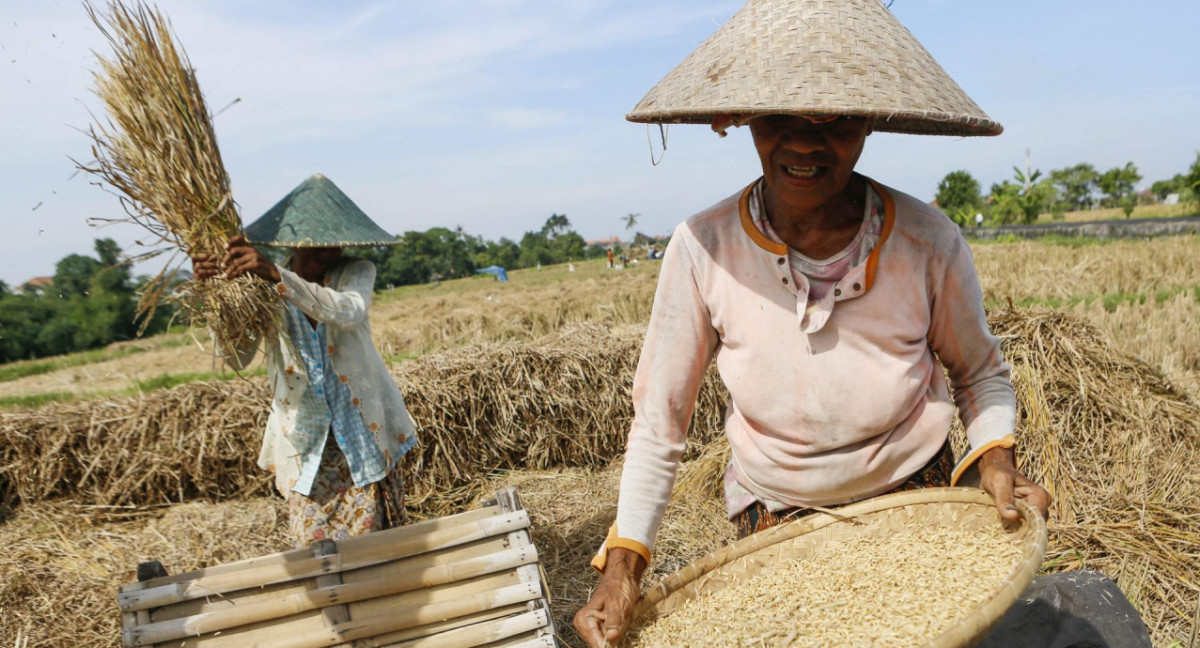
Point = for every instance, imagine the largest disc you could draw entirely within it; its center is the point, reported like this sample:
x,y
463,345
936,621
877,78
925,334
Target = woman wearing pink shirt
x,y
834,306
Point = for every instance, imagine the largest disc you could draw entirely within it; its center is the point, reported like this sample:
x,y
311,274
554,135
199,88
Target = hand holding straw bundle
x,y
159,152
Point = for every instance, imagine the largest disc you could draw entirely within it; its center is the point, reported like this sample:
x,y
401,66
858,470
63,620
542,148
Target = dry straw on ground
x,y
1114,441
1030,269
1163,332
63,561
1117,445
562,401
427,319
158,153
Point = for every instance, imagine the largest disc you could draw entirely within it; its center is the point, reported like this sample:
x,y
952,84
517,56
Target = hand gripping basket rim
x,y
964,633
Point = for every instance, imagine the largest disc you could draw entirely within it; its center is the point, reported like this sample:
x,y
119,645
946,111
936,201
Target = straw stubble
x,y
158,153
901,589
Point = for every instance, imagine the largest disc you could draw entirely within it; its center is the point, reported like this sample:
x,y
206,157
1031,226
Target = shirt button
x,y
785,281
857,287
781,261
837,292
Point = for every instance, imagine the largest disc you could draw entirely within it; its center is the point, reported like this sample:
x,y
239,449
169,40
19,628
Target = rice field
x,y
1104,342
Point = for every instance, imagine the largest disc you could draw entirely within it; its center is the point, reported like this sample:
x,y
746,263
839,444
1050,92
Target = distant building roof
x,y
37,283
608,241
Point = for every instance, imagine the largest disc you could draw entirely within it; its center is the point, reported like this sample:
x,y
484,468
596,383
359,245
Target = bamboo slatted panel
x,y
461,581
926,510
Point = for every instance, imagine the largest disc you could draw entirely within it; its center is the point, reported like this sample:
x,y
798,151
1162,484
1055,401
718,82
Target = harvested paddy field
x,y
527,384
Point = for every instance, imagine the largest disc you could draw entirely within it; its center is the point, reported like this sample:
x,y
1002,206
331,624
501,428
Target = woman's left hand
x,y
241,257
998,475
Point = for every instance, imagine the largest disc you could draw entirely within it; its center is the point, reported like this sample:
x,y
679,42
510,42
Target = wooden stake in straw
x,y
158,153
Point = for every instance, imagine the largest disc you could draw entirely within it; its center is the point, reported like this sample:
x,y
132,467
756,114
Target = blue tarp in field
x,y
494,270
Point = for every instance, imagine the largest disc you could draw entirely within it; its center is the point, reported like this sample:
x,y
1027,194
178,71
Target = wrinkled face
x,y
314,262
807,164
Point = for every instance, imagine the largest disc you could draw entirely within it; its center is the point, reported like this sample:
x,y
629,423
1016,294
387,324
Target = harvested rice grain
x,y
897,590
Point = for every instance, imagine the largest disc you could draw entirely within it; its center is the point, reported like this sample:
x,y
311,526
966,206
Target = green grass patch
x,y
177,337
1048,239
1179,210
548,275
24,368
165,381
35,400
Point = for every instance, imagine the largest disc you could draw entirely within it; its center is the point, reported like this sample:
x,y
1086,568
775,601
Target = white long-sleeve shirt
x,y
828,417
342,304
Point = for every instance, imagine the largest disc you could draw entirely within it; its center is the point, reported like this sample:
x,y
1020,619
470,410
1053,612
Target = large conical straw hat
x,y
815,57
317,214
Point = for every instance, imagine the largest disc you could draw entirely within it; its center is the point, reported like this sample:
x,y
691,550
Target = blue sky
x,y
494,114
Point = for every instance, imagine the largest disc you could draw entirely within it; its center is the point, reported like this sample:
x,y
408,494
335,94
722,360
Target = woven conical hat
x,y
317,214
815,57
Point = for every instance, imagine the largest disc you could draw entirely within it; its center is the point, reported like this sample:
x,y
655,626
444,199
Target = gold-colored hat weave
x,y
815,57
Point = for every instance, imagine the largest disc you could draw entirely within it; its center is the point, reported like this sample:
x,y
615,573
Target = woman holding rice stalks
x,y
338,424
829,301
158,152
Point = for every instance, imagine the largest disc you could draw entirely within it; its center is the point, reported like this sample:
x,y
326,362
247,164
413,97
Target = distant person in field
x,y
833,305
609,254
338,425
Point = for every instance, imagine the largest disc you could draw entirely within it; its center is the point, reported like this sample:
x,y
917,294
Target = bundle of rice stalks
x,y
159,154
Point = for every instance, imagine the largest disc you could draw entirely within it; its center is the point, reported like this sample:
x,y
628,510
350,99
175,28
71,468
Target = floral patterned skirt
x,y
337,509
935,473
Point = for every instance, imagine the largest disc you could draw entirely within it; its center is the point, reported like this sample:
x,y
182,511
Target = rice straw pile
x,y
158,152
901,588
562,401
1115,443
62,561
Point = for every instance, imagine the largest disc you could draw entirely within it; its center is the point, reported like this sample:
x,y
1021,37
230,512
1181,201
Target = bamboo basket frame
x,y
461,581
757,553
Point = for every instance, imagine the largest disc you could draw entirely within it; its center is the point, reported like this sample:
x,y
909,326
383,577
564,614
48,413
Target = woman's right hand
x,y
204,266
605,618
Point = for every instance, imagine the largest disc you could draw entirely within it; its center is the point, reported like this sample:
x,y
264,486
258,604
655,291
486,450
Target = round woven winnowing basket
x,y
958,508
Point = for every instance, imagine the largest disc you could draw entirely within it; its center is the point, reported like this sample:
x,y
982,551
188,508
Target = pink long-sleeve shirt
x,y
828,417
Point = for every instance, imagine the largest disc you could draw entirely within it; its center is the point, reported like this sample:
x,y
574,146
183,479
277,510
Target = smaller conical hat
x,y
317,214
815,57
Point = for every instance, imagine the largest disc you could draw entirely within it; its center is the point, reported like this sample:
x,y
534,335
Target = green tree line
x,y
443,253
1030,193
90,303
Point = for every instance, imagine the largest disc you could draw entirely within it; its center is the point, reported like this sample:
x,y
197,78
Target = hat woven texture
x,y
815,57
317,214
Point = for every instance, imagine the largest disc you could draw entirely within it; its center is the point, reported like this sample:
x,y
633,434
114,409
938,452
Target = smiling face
x,y
807,165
